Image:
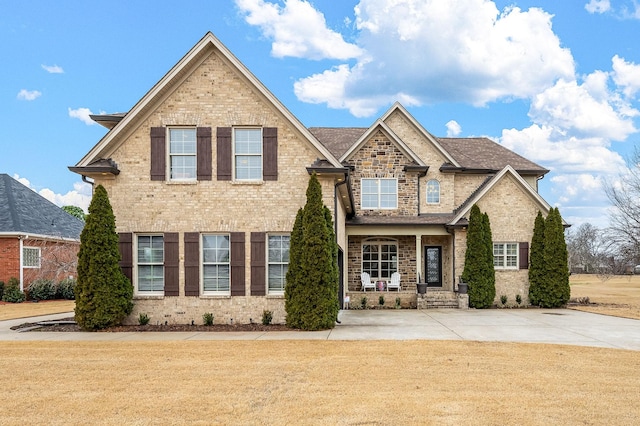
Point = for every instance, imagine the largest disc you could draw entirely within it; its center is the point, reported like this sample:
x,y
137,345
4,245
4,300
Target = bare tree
x,y
624,228
586,247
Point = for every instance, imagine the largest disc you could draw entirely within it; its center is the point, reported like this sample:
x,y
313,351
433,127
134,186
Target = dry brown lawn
x,y
316,382
618,296
323,382
31,309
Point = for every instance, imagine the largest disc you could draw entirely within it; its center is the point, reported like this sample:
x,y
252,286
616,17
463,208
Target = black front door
x,y
433,266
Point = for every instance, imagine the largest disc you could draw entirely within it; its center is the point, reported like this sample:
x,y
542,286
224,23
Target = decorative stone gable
x,y
379,157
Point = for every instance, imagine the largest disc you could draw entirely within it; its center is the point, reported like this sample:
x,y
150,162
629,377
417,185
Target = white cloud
x,y
82,114
28,95
430,51
453,128
53,69
598,6
297,30
627,75
79,196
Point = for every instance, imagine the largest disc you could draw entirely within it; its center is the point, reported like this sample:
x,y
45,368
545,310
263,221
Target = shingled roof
x,y
480,154
23,211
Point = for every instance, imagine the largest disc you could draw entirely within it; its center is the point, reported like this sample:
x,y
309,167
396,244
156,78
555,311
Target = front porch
x,y
406,299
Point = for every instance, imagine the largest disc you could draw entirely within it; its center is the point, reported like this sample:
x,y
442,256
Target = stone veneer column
x,y
418,255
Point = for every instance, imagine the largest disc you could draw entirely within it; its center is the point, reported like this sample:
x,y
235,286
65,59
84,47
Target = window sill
x,y
275,296
247,182
215,296
148,296
181,182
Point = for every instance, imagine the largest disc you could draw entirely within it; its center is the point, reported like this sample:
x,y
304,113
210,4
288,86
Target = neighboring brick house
x,y
37,238
207,172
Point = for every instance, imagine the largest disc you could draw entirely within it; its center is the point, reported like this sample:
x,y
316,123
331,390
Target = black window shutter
x,y
258,263
270,153
524,255
223,153
158,153
125,245
171,260
203,136
191,264
237,264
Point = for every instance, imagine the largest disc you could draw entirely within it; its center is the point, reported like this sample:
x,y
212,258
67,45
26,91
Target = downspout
x,y
84,179
21,238
336,195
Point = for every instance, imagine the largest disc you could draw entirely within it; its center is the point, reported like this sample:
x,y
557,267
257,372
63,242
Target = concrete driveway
x,y
556,326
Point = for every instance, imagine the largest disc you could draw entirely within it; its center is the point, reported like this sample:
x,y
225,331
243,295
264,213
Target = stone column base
x,y
463,301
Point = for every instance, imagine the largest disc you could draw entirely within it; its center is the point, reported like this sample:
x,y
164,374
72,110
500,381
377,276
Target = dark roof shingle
x,y
26,212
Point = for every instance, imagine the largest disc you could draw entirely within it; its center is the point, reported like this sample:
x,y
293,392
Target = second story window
x,y
182,154
433,192
247,151
379,193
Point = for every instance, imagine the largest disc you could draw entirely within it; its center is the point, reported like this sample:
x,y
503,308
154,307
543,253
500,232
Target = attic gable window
x,y
247,151
182,154
379,193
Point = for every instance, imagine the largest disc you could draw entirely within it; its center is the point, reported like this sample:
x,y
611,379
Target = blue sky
x,y
556,81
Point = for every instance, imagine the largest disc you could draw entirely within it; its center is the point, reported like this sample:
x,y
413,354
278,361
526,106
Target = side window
x,y
216,266
182,154
150,264
247,153
433,192
31,257
505,255
277,262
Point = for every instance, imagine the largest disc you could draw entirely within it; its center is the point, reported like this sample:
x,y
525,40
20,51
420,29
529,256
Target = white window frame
x,y
280,263
501,257
137,265
218,263
253,155
379,271
183,155
379,193
38,257
429,194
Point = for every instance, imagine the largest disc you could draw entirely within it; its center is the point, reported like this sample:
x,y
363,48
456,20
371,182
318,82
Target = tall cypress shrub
x,y
103,294
478,270
311,291
536,261
555,291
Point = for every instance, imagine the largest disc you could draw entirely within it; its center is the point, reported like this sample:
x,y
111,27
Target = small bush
x,y
381,300
503,300
1,289
363,303
66,289
42,289
518,299
12,292
143,319
398,303
267,317
207,318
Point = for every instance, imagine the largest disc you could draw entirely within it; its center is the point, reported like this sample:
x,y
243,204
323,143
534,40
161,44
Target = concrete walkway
x,y
556,326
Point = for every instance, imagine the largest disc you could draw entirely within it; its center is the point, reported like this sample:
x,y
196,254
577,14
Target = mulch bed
x,y
64,325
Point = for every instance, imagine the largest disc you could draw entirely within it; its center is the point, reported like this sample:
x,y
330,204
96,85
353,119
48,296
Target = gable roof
x,y
23,211
380,125
145,106
398,108
488,184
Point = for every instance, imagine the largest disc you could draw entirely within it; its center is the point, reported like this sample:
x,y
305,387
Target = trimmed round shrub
x,y
66,289
42,289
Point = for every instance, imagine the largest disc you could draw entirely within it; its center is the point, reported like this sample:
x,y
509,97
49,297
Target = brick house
x,y
37,238
207,172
